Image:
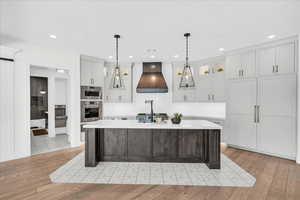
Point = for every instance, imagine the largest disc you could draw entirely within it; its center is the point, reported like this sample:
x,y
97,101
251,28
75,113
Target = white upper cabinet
x,y
210,81
240,65
91,71
276,60
209,77
120,95
233,66
285,58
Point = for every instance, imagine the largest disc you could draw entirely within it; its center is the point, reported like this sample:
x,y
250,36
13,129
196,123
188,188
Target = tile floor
x,y
43,143
153,173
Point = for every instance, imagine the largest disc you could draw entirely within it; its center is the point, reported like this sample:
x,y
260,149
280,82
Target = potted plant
x,y
177,118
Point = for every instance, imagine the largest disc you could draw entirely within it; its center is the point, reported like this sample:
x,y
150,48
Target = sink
x,y
146,117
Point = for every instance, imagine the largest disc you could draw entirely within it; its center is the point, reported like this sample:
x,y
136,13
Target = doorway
x,y
49,109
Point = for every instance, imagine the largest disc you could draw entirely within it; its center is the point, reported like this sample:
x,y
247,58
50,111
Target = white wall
x,y
7,136
50,58
60,91
162,101
298,105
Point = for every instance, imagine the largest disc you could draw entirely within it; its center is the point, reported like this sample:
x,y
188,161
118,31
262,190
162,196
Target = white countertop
x,y
134,124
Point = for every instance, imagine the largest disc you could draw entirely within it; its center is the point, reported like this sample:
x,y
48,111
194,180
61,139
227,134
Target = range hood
x,y
152,79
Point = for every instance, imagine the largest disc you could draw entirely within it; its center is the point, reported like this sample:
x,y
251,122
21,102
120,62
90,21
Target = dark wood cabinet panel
x,y
115,144
139,144
164,144
191,144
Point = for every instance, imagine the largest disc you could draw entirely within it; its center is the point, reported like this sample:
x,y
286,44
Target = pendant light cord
x,y
117,51
187,52
187,35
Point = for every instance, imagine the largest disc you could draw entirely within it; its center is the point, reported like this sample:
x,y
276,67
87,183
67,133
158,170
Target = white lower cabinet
x,y
261,114
242,131
277,102
277,135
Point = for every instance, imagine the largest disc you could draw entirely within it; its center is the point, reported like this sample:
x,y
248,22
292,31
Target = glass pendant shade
x,y
187,79
117,79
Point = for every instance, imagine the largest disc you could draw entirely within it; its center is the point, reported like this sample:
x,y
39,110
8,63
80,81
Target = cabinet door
x,y
241,96
277,95
139,144
218,87
241,130
115,143
248,65
266,61
191,144
277,115
97,74
204,90
285,58
85,73
164,144
233,66
240,127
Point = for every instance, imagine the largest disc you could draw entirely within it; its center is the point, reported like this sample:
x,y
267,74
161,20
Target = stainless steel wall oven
x,y
89,92
91,111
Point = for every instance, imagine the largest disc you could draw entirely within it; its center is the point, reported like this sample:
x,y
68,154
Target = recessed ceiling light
x,y
152,56
130,57
52,36
271,36
110,57
60,70
221,49
176,56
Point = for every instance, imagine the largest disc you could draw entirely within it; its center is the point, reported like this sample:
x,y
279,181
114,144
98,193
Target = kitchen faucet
x,y
152,114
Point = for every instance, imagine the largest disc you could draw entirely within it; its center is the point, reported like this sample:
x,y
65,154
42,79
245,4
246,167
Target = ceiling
x,y
88,27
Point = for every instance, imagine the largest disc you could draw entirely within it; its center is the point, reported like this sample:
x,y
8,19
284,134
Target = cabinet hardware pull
x,y
276,68
242,72
273,69
254,113
257,113
209,97
213,97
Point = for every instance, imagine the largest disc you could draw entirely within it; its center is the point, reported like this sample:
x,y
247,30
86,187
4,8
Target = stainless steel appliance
x,y
89,92
60,116
91,111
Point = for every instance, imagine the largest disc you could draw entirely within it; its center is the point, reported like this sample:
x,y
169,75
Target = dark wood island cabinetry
x,y
153,144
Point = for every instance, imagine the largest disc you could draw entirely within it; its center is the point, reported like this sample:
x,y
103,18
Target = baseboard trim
x,y
262,152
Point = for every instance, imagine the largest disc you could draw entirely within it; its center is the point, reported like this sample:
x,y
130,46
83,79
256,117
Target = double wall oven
x,y
91,103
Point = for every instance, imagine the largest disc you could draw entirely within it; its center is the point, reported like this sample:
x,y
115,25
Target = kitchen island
x,y
192,141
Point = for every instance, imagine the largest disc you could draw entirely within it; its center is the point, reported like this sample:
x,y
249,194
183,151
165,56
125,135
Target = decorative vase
x,y
176,120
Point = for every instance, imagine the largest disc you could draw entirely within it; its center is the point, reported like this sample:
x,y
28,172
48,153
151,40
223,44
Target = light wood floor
x,y
28,178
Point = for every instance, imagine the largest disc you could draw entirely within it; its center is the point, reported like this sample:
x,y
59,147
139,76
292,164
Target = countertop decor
x,y
177,118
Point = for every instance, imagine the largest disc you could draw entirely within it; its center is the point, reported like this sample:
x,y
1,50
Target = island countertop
x,y
134,124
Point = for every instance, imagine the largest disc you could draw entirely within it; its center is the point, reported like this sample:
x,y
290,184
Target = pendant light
x,y
117,81
187,79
